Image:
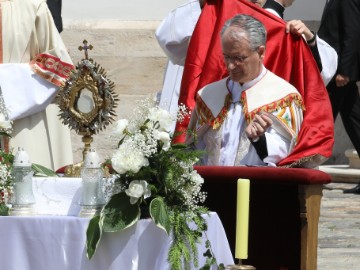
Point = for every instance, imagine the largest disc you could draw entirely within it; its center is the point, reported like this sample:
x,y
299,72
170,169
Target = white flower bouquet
x,y
6,160
156,180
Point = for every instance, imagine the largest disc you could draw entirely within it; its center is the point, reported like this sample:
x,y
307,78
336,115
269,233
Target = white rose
x,y
137,189
196,178
120,126
4,124
162,116
164,137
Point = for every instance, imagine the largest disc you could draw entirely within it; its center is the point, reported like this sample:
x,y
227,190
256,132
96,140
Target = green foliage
x,y
210,258
118,214
93,236
6,179
40,170
4,210
183,250
2,133
159,214
7,157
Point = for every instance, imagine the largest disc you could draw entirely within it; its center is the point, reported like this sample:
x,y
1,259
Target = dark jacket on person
x,y
340,27
55,9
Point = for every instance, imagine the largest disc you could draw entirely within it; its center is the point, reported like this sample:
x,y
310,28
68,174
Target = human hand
x,y
341,80
258,126
298,28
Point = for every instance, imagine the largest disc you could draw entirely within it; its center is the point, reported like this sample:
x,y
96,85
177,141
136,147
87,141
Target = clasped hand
x,y
258,126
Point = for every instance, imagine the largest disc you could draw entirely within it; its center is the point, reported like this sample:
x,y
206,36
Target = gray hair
x,y
253,28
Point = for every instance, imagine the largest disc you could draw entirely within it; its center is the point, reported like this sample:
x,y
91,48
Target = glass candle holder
x,y
92,198
22,198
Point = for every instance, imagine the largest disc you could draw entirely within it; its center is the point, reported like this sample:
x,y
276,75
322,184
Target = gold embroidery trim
x,y
206,116
273,106
47,66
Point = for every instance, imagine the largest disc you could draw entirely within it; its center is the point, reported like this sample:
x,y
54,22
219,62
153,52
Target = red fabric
x,y
286,56
295,176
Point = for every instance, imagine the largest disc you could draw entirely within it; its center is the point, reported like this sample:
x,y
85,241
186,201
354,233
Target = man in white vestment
x,y
252,117
173,35
325,56
34,62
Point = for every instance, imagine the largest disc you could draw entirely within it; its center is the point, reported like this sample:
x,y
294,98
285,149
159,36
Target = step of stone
x,y
342,173
339,228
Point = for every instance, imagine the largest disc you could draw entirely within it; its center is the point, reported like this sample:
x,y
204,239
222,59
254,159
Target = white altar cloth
x,y
55,238
57,195
58,243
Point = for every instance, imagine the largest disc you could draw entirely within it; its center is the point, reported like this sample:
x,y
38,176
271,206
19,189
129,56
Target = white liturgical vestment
x,y
220,121
34,62
173,35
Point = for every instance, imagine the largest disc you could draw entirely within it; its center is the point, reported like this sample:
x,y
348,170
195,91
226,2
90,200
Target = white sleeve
x,y
329,60
277,146
281,136
175,31
24,92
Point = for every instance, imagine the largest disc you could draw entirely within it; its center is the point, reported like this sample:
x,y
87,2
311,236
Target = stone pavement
x,y
339,228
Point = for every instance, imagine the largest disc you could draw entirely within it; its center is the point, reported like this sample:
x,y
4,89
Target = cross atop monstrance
x,y
87,102
86,47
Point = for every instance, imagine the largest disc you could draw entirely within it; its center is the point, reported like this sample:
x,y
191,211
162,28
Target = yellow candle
x,y
242,219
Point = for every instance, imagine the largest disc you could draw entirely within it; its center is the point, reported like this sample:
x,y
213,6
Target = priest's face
x,y
242,62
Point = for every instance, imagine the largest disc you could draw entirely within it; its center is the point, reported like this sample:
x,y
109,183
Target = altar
x,y
284,212
55,238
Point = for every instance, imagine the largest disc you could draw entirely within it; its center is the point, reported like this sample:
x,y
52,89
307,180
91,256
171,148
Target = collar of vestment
x,y
277,7
269,94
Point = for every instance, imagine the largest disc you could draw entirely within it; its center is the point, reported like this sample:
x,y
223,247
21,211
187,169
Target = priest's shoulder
x,y
214,87
278,82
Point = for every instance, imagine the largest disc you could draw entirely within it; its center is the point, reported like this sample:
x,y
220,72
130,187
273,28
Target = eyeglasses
x,y
236,59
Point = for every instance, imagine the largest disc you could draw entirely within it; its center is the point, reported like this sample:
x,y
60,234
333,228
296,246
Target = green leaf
x,y
179,146
207,253
42,171
119,214
159,214
93,236
5,134
4,210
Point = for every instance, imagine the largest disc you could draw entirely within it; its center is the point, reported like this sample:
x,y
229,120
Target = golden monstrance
x,y
87,102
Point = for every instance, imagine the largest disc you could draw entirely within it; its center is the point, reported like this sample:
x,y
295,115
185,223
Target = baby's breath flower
x,y
183,113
